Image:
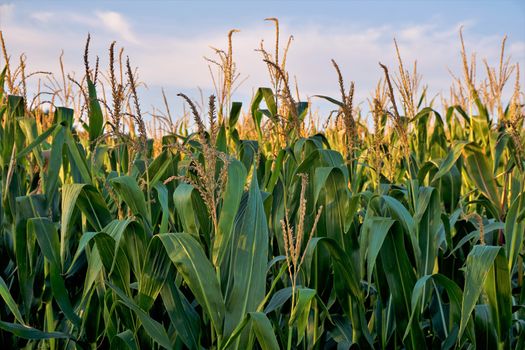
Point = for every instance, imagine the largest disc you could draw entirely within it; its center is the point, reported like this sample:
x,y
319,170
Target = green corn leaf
x,y
183,201
402,215
9,301
2,81
191,262
124,340
347,285
55,163
454,295
157,169
182,315
479,262
333,100
24,243
429,224
96,119
401,280
336,202
231,200
249,257
154,273
154,329
451,159
480,172
235,112
162,196
257,114
114,260
263,330
129,190
27,332
514,230
37,141
301,311
47,237
499,293
131,237
92,205
78,159
374,231
278,299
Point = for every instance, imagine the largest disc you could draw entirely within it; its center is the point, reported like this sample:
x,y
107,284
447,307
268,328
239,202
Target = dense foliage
x,y
407,234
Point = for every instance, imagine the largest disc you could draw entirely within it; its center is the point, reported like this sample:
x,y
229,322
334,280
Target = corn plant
x,y
405,235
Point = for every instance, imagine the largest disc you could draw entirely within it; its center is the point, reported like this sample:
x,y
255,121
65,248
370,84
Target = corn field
x,y
239,227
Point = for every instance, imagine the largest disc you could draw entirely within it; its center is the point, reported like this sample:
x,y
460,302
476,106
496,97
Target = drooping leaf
x,y
480,172
9,301
27,332
154,329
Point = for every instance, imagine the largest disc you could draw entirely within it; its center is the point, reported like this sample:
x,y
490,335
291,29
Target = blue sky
x,y
168,39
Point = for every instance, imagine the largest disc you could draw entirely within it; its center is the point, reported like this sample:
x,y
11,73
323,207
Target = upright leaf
x,y
248,260
479,262
191,262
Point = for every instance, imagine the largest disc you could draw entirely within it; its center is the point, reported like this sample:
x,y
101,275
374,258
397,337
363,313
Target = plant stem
x,y
290,331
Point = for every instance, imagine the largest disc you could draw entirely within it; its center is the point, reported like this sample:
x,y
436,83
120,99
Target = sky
x,y
167,40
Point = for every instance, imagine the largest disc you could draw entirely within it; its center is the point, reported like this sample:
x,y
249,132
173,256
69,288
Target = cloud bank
x,y
176,62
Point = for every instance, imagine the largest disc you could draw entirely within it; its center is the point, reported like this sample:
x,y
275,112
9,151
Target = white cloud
x,y
7,8
42,16
117,24
6,12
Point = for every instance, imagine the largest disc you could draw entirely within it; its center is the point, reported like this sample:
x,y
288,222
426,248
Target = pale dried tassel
x,y
481,229
285,54
398,123
67,90
208,187
212,119
138,115
314,226
302,215
347,109
287,246
479,221
223,176
116,90
196,116
377,138
288,97
516,116
95,75
9,80
86,56
277,32
23,79
293,242
407,85
230,68
469,73
350,124
267,57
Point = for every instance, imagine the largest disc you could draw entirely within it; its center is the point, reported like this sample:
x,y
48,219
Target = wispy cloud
x,y
6,12
42,16
117,24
